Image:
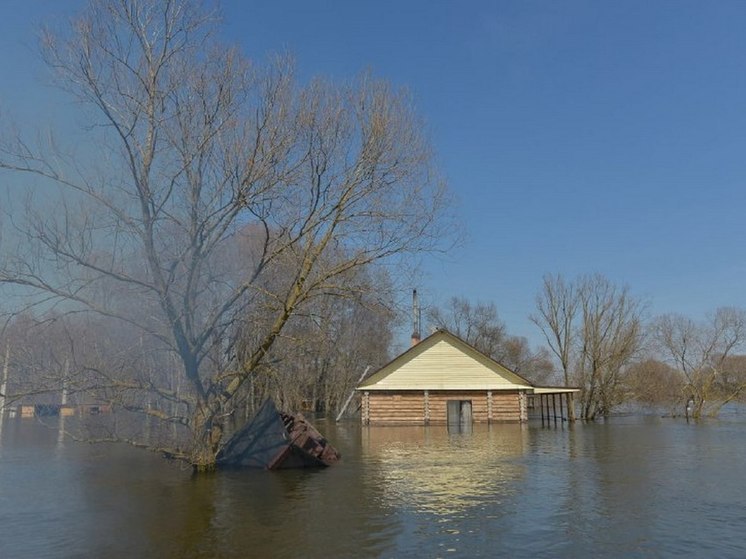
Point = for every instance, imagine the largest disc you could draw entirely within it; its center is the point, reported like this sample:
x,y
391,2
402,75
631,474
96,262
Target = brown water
x,y
632,487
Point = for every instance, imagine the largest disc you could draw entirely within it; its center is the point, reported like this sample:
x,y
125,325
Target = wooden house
x,y
444,380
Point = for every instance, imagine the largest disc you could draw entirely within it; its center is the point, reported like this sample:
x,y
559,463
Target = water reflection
x,y
431,470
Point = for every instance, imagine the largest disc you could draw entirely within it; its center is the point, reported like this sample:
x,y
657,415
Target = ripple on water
x,y
645,488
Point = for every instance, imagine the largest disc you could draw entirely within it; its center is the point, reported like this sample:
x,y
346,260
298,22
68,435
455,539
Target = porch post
x,y
541,407
366,408
523,407
554,408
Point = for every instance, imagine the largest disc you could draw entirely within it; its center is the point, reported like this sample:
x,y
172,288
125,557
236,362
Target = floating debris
x,y
275,440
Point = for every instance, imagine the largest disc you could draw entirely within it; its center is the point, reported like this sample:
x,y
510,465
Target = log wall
x,y
406,408
506,407
430,407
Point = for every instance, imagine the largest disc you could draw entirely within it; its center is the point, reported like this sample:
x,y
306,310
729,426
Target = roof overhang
x,y
554,390
433,388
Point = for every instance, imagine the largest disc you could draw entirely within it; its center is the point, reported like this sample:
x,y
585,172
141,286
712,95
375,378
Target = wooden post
x,y
349,398
554,408
523,407
63,404
562,412
365,413
4,384
427,407
570,407
541,407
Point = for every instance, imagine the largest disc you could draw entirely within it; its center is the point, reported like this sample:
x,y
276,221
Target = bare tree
x,y
477,324
534,364
35,372
611,331
324,349
703,353
654,382
733,376
595,329
557,306
480,325
194,145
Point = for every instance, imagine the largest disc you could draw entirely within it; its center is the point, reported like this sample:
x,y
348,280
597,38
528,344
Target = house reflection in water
x,y
431,470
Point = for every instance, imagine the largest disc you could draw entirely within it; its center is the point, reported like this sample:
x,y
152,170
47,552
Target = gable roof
x,y
444,361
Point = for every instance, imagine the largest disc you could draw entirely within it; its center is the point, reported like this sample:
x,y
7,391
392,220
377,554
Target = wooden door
x,y
459,414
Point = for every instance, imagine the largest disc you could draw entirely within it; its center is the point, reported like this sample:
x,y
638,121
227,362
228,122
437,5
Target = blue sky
x,y
578,136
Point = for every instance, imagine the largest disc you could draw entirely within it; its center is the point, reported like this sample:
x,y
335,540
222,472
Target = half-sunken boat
x,y
274,439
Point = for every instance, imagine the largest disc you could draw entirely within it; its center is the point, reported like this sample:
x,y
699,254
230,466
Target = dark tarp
x,y
275,440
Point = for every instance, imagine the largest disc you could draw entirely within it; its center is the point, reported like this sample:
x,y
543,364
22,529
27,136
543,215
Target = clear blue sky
x,y
578,136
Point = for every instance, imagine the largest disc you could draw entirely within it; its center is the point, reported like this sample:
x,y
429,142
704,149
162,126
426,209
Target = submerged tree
x,y
323,351
704,355
192,146
595,329
654,382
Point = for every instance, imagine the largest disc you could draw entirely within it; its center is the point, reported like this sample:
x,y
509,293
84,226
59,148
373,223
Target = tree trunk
x,y
208,434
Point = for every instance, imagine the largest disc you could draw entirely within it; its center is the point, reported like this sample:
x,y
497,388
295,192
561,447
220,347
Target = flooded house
x,y
444,380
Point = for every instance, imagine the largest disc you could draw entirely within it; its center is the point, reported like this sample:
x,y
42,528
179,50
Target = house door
x,y
459,414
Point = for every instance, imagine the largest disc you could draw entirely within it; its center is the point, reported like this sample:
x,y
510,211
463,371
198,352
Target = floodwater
x,y
630,487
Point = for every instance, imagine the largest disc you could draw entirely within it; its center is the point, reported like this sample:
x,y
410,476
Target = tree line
x,y
605,345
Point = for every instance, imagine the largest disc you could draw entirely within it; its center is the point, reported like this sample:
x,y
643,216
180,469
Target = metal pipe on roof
x,y
416,319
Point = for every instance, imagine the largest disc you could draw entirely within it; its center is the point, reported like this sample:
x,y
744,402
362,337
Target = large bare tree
x,y
704,354
557,307
611,331
595,329
189,146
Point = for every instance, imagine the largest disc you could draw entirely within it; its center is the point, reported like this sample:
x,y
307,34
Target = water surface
x,y
630,487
